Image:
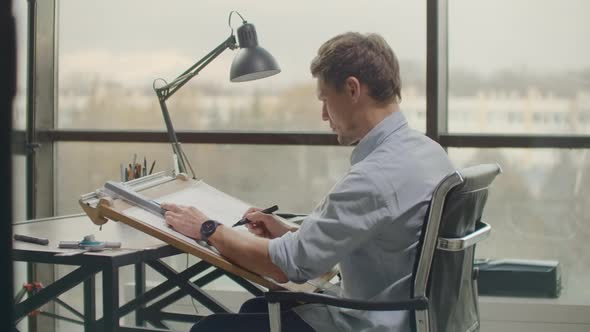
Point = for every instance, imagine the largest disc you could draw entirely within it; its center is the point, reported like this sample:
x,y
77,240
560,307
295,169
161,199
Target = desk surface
x,y
75,227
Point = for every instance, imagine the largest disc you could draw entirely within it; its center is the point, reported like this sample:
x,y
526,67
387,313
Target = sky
x,y
136,41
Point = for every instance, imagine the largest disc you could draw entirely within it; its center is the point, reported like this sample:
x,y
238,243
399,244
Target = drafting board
x,y
103,205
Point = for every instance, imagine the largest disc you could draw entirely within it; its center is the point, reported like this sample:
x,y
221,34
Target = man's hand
x,y
184,219
264,225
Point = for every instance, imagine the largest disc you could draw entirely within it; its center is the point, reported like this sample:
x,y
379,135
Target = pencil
x,y
269,210
152,168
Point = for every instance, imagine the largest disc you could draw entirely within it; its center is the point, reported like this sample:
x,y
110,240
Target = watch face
x,y
208,228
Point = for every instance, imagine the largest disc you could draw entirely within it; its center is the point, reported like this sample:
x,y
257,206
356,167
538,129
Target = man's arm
x,y
246,251
238,247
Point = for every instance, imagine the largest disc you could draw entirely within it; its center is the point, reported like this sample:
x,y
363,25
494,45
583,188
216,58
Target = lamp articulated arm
x,y
169,89
251,63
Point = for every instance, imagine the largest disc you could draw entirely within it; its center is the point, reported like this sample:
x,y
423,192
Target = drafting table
x,y
103,205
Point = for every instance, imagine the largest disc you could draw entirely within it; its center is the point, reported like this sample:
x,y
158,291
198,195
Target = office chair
x,y
444,289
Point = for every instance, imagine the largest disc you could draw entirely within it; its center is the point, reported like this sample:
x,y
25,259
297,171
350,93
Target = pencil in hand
x,y
244,221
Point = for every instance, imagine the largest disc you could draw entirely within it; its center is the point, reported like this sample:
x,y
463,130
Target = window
x,y
512,72
106,70
19,113
509,56
538,209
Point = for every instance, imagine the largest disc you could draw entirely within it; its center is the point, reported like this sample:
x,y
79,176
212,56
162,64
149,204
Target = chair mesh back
x,y
451,291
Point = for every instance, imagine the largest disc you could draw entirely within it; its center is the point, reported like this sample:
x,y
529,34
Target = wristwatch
x,y
208,228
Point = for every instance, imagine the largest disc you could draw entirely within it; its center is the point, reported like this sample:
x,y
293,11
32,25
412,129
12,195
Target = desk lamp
x,y
251,63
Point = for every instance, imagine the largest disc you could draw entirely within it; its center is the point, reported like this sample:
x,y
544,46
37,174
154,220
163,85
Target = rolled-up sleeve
x,y
347,217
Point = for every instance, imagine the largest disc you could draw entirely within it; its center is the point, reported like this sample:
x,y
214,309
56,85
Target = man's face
x,y
337,109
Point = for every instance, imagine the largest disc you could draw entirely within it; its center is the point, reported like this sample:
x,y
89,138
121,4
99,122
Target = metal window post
x,y
436,68
41,101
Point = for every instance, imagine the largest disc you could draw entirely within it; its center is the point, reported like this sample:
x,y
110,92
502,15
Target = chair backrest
x,y
444,268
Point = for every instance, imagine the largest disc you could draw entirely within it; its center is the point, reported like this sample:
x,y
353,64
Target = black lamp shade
x,y
252,64
252,61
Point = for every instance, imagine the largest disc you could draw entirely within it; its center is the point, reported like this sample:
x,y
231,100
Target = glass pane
x,y
538,209
19,186
19,120
294,177
19,9
519,67
106,70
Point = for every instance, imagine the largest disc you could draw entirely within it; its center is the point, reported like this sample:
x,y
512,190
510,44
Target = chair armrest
x,y
282,296
458,244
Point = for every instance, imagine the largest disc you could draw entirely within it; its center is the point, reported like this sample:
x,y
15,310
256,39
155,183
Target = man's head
x,y
355,73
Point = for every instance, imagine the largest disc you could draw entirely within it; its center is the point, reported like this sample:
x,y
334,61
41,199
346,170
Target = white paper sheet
x,y
214,203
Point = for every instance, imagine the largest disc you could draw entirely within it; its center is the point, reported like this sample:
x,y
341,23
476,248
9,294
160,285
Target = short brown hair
x,y
366,57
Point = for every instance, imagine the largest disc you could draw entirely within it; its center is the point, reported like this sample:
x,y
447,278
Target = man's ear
x,y
353,88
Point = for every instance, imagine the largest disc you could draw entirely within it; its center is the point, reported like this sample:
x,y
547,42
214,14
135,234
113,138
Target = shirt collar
x,y
377,135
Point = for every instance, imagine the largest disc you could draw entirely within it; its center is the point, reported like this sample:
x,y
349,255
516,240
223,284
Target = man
x,y
368,224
